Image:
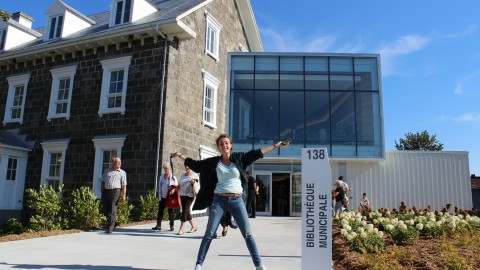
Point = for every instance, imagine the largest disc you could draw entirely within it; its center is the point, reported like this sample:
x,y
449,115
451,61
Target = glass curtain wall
x,y
318,101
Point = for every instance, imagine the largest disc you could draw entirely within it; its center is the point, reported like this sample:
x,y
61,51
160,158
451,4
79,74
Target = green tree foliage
x,y
419,141
4,15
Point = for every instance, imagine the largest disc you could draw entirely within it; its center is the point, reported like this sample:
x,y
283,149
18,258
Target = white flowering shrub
x,y
365,233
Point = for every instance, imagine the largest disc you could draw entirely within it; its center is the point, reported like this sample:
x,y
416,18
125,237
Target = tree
x,y
4,15
419,141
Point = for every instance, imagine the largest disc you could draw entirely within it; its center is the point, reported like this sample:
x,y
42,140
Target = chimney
x,y
23,19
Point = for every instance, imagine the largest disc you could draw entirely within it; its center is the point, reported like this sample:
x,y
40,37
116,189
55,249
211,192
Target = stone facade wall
x,y
139,123
183,103
184,131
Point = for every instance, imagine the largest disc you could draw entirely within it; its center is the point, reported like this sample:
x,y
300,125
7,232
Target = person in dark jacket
x,y
223,182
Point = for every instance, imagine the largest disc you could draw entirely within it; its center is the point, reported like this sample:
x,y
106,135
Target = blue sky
x,y
430,52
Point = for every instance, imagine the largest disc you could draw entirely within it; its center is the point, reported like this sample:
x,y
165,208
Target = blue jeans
x,y
338,208
236,206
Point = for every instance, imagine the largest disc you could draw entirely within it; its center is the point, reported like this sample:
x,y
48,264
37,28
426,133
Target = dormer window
x,y
129,11
56,25
123,10
63,21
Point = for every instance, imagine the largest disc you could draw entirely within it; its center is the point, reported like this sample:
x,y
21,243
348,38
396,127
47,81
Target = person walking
x,y
187,182
114,181
223,181
252,195
167,185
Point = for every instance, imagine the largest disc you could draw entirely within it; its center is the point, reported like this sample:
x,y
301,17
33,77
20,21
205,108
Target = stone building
x,y
139,81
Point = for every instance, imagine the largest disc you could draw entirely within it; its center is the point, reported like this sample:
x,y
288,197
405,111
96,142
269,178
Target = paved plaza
x,y
139,247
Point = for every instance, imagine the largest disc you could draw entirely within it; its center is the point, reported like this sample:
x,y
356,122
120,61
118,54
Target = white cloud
x,y
288,42
278,43
470,29
468,117
461,84
402,46
320,44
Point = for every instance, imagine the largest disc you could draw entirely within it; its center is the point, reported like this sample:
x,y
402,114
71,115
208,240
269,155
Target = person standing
x,y
339,194
223,181
252,195
114,180
347,189
187,182
167,185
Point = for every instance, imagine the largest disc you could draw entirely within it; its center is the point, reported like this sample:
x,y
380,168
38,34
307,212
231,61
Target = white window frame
x,y
210,83
3,38
122,17
55,28
11,171
104,144
59,74
213,26
13,82
109,66
49,148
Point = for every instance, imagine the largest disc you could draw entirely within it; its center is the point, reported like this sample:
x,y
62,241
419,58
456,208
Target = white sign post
x,y
316,210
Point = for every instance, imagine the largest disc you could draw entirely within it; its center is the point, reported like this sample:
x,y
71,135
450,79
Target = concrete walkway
x,y
139,247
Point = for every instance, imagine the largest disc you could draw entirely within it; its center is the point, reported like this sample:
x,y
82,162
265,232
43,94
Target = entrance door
x,y
296,192
280,194
263,199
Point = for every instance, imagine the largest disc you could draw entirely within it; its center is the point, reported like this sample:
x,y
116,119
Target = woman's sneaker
x,y
261,267
198,267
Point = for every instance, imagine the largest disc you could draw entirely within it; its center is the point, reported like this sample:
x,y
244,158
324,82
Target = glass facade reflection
x,y
331,101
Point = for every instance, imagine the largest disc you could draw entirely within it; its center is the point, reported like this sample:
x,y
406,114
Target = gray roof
x,y
13,140
167,10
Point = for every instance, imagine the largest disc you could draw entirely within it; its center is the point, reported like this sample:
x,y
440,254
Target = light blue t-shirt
x,y
228,179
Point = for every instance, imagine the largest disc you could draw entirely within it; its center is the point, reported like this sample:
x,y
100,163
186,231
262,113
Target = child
x,y
364,204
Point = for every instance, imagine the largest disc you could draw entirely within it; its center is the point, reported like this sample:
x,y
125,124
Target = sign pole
x,y
316,210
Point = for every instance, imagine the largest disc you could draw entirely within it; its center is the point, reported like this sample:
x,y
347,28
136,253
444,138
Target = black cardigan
x,y
208,176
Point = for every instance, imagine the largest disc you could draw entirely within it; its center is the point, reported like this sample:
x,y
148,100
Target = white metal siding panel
x,y
418,178
16,37
72,24
140,9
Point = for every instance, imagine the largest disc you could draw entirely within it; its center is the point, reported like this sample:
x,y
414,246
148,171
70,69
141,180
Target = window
x,y
123,10
17,91
210,86
106,148
12,169
56,25
3,36
114,85
61,95
212,38
53,162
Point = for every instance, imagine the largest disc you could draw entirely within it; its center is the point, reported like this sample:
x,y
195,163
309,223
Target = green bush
x,y
401,236
148,206
12,226
123,214
83,209
369,244
46,206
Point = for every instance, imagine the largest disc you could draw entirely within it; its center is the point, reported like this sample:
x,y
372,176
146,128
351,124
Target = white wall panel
x,y
419,178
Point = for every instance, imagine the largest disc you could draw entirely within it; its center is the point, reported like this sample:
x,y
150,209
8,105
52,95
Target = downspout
x,y
160,113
